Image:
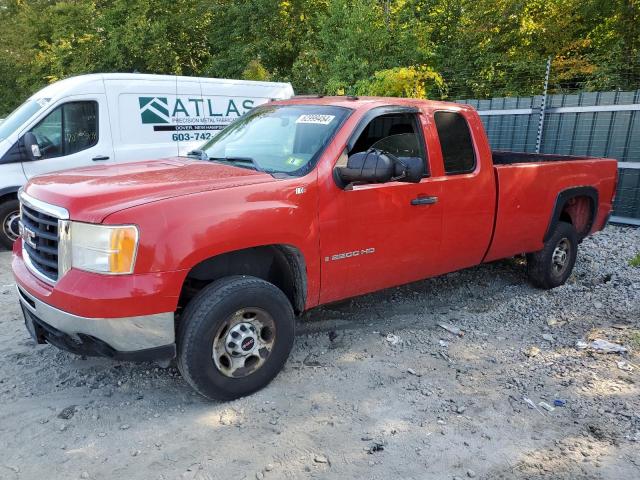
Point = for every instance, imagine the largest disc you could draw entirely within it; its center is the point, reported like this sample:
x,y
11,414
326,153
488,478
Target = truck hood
x,y
92,193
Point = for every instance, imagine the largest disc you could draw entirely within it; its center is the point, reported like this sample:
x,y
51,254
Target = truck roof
x,y
367,103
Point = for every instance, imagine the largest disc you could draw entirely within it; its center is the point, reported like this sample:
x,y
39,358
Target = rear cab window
x,y
456,142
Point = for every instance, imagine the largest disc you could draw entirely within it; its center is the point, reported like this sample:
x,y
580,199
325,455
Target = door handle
x,y
424,201
100,158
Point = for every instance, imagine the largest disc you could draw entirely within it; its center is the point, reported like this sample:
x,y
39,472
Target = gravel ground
x,y
393,395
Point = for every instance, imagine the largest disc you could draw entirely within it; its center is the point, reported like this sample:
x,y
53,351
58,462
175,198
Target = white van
x,y
115,117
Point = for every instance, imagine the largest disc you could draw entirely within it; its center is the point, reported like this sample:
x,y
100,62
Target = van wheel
x,y
234,337
9,218
551,266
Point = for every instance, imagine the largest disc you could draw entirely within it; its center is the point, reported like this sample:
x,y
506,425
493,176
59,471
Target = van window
x,y
20,115
395,133
70,128
455,142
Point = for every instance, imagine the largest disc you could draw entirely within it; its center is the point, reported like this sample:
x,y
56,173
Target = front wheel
x,y
234,337
10,219
551,266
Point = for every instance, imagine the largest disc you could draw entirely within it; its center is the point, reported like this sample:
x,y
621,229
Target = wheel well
x,y
577,206
578,211
281,265
8,196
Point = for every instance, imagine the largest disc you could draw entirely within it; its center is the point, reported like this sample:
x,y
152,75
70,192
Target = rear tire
x,y
9,216
551,266
235,337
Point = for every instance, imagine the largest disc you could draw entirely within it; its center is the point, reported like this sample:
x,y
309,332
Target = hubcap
x,y
244,342
10,226
560,257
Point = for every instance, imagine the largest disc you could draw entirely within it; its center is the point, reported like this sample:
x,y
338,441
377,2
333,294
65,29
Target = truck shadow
x,y
471,290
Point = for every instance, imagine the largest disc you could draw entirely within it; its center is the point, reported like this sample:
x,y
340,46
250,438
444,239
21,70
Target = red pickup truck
x,y
298,203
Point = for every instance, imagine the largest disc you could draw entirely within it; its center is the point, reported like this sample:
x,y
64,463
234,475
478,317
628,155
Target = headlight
x,y
99,248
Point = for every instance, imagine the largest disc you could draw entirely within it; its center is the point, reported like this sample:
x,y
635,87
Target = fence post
x,y
543,106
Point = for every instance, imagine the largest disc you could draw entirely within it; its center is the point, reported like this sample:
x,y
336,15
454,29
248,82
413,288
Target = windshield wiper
x,y
248,161
199,154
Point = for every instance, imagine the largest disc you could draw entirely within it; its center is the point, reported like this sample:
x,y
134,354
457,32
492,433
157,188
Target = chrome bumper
x,y
126,334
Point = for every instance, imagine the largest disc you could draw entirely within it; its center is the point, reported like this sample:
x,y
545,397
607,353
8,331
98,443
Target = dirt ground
x,y
393,396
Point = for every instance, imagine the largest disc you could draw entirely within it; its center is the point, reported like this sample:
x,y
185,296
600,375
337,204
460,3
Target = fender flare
x,y
290,256
561,200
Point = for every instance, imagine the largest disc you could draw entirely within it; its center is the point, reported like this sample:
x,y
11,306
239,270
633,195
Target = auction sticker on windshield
x,y
316,119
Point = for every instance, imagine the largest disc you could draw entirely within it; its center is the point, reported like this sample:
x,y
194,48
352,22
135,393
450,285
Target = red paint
x,y
188,211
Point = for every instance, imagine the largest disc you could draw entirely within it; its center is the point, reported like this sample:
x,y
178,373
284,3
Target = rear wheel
x,y
551,266
9,221
234,337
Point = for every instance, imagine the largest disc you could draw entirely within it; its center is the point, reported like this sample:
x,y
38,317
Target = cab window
x,y
70,128
456,143
396,133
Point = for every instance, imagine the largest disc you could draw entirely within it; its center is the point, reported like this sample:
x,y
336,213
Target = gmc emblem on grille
x,y
29,236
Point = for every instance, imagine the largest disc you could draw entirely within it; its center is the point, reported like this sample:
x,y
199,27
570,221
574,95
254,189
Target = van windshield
x,y
286,139
20,115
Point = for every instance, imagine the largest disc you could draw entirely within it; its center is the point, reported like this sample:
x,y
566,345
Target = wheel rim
x,y
560,256
244,342
10,225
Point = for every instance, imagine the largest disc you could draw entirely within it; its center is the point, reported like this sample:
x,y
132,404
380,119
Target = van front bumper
x,y
143,338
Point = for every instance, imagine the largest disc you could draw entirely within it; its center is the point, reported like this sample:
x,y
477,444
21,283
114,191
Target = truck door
x,y
379,235
74,134
468,195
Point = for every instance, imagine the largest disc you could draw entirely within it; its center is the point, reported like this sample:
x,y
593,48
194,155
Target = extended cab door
x,y
76,133
462,159
379,235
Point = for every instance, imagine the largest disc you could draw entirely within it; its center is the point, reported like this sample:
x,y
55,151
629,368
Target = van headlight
x,y
98,248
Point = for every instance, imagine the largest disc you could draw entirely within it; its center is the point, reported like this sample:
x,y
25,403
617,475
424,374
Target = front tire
x,y
234,337
551,266
9,217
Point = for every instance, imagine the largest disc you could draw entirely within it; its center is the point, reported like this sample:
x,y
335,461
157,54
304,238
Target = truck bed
x,y
528,186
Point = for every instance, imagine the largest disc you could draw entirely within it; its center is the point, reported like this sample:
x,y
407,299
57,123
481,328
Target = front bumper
x,y
94,295
141,338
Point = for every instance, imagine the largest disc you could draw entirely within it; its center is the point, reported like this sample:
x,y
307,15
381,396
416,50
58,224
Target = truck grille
x,y
40,240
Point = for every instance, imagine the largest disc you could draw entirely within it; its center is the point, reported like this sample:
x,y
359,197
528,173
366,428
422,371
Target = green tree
x,y
408,82
255,71
479,48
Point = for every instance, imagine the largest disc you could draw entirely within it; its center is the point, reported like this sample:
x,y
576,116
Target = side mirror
x,y
371,166
409,169
31,145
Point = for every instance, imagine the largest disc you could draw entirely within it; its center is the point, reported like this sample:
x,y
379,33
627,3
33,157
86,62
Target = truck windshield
x,y
285,139
20,115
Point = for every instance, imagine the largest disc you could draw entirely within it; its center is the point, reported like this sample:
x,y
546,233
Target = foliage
x,y
409,82
433,48
255,71
635,261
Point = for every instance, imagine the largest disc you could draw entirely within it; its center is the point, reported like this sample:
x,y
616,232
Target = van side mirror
x,y
31,145
371,166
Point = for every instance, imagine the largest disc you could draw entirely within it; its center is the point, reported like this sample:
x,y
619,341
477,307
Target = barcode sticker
x,y
317,119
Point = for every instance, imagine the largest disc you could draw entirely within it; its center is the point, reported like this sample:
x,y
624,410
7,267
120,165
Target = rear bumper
x,y
143,338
